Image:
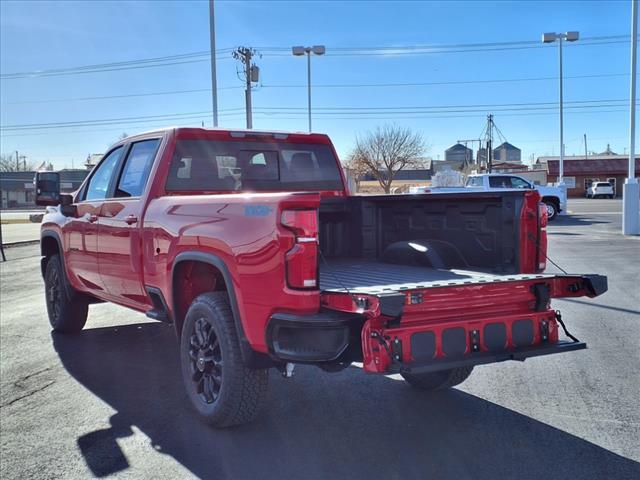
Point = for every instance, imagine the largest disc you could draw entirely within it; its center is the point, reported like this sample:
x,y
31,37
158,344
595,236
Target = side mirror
x,y
47,188
67,208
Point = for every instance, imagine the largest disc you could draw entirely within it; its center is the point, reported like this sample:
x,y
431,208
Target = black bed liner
x,y
374,277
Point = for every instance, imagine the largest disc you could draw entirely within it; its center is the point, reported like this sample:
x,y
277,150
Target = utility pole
x,y
585,147
214,79
17,161
247,91
489,142
244,56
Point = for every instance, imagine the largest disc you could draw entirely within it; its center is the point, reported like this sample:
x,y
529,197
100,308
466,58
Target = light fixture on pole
x,y
550,38
300,51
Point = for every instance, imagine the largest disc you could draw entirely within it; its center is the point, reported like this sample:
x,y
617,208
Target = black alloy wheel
x,y
206,361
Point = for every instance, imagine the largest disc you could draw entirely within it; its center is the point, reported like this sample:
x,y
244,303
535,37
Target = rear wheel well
x,y
190,279
553,200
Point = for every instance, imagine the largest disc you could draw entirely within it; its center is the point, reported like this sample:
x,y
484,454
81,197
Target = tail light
x,y
302,259
543,218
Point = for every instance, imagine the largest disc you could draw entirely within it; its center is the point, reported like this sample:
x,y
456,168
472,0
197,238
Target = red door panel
x,y
120,259
82,250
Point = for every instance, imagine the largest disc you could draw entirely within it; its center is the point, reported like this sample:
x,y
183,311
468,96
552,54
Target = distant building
x,y
581,172
459,153
507,153
508,167
92,160
409,174
17,189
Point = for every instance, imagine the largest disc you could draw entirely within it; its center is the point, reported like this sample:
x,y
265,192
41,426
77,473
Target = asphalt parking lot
x,y
109,401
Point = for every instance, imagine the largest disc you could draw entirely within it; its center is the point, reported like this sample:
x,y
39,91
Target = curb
x,y
16,221
20,244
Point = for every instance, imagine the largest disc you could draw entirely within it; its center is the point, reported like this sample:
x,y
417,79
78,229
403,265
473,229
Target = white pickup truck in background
x,y
553,197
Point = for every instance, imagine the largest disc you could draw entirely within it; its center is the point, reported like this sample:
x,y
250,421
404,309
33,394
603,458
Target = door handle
x,y
131,219
93,218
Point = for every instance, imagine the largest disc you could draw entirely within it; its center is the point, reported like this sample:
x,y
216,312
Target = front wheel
x,y
67,311
552,210
222,390
438,380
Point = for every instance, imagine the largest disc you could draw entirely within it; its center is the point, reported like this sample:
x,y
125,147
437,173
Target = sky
x,y
436,67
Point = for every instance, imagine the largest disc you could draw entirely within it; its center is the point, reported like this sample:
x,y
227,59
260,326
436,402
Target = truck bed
x,y
374,277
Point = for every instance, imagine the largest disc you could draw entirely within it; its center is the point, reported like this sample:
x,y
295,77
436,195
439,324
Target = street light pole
x,y
630,189
309,88
214,79
299,51
561,172
550,38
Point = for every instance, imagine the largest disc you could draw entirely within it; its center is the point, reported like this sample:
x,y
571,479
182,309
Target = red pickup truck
x,y
251,246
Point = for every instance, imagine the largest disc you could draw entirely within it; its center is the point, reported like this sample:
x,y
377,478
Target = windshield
x,y
207,165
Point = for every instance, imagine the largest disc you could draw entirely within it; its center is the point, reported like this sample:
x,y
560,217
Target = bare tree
x,y
8,164
387,150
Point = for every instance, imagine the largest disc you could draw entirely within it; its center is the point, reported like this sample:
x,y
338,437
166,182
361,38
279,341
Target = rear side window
x,y
500,182
136,169
205,165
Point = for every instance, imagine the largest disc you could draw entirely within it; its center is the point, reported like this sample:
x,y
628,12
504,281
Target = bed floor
x,y
373,277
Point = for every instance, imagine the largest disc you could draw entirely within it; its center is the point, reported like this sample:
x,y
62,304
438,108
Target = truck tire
x,y
552,208
438,380
67,312
221,389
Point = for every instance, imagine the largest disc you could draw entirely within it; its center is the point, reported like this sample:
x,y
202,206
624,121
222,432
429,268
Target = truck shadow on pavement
x,y
317,425
574,220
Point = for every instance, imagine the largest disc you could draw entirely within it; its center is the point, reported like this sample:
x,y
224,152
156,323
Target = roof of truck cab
x,y
493,175
234,134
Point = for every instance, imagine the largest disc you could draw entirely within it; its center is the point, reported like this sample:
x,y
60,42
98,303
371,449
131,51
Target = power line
x,y
202,56
481,105
335,85
402,52
240,115
110,97
345,113
453,82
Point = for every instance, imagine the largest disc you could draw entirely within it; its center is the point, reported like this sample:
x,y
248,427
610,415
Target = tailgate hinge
x,y
542,292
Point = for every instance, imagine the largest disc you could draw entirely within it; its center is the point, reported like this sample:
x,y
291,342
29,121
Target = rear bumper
x,y
482,358
319,337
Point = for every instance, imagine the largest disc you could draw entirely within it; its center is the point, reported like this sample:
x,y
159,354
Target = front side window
x,y
98,187
208,165
136,170
474,182
517,182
